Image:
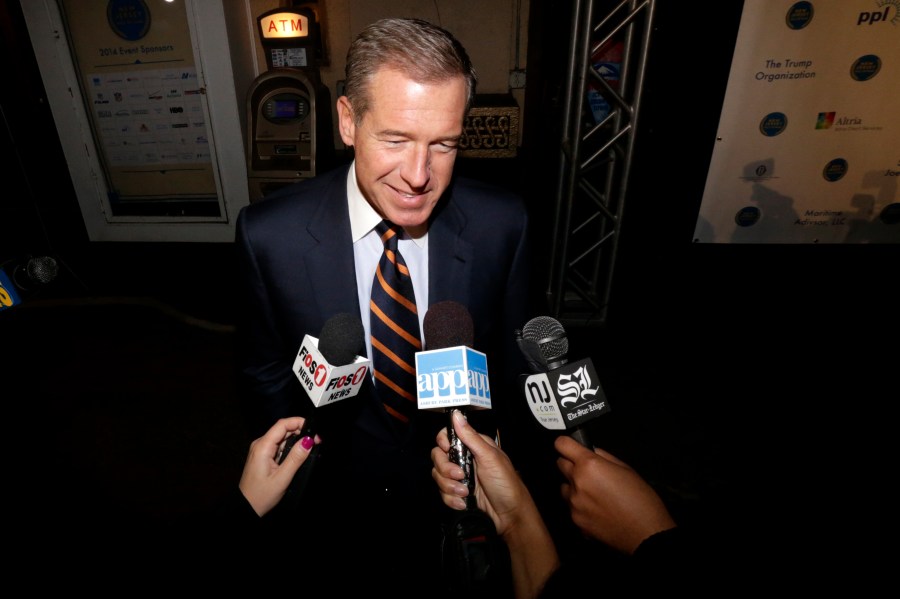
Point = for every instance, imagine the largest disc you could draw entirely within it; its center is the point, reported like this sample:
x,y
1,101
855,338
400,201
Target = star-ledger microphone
x,y
330,369
562,395
451,375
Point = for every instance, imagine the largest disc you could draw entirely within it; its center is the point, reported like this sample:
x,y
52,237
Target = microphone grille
x,y
448,324
549,335
38,271
342,339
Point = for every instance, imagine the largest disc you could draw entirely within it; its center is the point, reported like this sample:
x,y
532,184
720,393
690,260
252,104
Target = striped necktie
x,y
395,329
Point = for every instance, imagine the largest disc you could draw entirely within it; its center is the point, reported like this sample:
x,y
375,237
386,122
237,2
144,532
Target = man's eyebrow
x,y
396,133
391,133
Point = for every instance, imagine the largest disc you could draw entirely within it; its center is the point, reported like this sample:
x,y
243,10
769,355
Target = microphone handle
x,y
581,435
307,430
301,479
460,455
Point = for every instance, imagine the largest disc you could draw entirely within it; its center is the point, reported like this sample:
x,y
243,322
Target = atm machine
x,y
289,123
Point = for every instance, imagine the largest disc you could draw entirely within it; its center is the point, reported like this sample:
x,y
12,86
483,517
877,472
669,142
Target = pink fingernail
x,y
307,443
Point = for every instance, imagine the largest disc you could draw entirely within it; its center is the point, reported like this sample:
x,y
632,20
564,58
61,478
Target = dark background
x,y
754,386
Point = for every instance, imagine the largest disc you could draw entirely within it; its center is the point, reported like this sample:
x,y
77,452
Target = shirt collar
x,y
363,217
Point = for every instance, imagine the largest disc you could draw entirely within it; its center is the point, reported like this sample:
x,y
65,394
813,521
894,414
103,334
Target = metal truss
x,y
595,158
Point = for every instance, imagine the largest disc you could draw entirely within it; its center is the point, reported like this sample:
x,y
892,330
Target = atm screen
x,y
284,109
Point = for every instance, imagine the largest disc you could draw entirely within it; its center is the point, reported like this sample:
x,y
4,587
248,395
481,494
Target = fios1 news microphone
x,y
330,369
451,375
562,395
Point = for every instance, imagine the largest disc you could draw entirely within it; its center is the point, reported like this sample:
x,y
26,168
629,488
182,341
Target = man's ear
x,y
346,125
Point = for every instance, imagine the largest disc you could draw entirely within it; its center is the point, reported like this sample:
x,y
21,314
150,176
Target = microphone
x,y
330,368
450,375
32,274
562,395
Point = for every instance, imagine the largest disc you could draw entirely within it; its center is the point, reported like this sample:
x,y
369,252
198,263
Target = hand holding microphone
x,y
450,374
499,492
608,500
263,481
503,498
330,369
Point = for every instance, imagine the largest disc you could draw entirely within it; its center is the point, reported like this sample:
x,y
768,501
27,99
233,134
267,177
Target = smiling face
x,y
406,144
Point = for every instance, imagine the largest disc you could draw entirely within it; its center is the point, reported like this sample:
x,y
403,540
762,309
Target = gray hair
x,y
422,51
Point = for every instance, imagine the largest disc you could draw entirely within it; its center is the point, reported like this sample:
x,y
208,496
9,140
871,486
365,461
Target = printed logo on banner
x,y
825,120
758,171
880,16
835,170
799,15
129,19
865,67
773,124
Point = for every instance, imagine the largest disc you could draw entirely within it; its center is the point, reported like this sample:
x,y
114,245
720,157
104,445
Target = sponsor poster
x,y
808,144
136,63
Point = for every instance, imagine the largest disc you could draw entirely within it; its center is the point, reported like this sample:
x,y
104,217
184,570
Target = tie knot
x,y
388,233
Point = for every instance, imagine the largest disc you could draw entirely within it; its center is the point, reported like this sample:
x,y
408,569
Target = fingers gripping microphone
x,y
562,395
330,369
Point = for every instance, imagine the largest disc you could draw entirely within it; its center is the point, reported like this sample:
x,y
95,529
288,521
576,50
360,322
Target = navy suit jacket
x,y
296,270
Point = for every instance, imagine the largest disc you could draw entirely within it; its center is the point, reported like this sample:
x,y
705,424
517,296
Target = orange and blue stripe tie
x,y
395,329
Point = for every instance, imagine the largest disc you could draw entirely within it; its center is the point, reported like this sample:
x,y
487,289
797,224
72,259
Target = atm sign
x,y
284,25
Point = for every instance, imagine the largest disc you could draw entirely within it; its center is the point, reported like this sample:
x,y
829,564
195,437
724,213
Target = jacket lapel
x,y
330,262
450,257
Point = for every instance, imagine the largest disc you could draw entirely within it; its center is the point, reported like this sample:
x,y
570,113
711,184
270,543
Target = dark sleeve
x,y
234,509
667,562
223,532
669,553
230,516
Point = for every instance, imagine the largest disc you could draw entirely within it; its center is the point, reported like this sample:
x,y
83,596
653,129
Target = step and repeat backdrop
x,y
808,144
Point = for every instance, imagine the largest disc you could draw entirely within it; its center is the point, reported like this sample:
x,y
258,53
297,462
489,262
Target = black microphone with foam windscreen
x,y
330,369
562,395
451,375
24,276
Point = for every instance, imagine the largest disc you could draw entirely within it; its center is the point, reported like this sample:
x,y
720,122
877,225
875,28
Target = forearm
x,y
532,553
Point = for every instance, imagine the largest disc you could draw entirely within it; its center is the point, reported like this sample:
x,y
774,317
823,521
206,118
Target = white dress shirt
x,y
367,250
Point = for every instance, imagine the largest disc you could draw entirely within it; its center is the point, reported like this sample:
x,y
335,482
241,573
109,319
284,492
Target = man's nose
x,y
417,167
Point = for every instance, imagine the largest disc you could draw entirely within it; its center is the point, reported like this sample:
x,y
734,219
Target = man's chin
x,y
411,218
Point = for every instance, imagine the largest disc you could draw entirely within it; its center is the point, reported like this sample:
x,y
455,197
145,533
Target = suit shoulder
x,y
301,190
475,195
303,195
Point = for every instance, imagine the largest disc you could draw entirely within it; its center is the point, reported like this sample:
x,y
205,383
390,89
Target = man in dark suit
x,y
309,251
